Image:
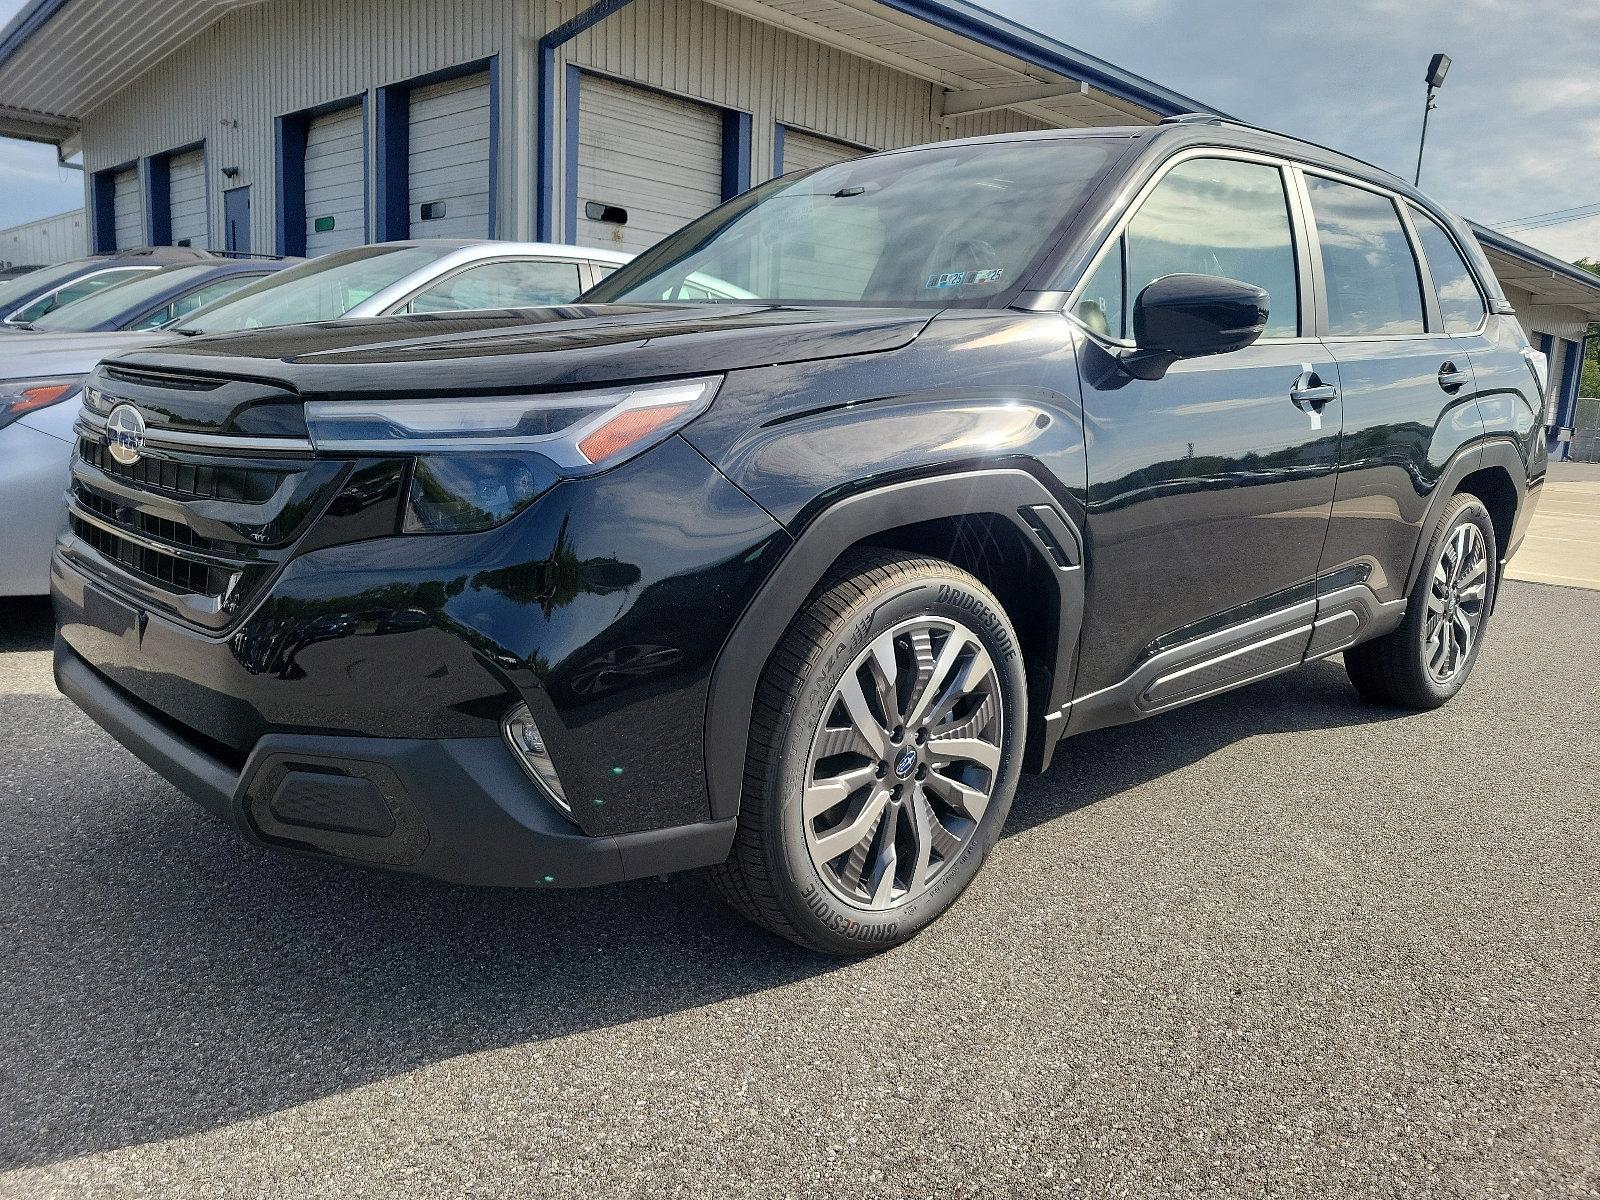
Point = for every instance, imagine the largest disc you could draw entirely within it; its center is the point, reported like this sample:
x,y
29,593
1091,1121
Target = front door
x,y
236,220
1209,489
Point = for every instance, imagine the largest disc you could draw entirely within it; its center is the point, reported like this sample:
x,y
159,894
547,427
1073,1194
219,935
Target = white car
x,y
40,377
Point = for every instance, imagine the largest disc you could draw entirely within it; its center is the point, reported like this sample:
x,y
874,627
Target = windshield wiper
x,y
188,332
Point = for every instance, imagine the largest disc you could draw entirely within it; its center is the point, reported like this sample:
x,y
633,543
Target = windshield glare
x,y
26,285
322,290
939,227
121,300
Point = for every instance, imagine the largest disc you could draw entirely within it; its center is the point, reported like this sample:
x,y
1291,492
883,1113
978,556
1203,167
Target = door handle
x,y
1310,395
1452,380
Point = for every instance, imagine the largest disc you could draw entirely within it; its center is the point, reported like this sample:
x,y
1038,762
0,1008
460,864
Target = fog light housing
x,y
527,743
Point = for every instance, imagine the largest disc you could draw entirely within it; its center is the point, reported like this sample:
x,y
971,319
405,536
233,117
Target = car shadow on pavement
x,y
160,978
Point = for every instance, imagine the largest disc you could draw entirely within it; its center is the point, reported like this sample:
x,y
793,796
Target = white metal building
x,y
47,240
304,126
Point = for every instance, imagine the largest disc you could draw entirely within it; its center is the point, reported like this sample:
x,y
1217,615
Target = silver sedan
x,y
40,377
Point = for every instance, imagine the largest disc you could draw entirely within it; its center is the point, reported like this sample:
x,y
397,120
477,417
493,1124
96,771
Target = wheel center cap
x,y
905,763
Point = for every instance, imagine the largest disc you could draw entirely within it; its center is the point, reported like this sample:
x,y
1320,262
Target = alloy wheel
x,y
904,763
1457,600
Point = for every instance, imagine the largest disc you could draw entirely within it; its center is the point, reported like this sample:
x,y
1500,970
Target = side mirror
x,y
1191,316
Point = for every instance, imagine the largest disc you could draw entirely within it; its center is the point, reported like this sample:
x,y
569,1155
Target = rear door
x,y
1407,381
801,151
448,171
1209,489
336,181
190,221
647,164
127,209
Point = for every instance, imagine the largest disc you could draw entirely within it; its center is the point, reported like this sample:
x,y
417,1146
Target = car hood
x,y
30,355
453,354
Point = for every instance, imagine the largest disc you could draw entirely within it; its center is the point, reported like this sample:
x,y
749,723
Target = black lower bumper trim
x,y
457,809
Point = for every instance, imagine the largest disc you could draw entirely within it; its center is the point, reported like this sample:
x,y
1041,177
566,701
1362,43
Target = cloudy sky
x,y
1517,131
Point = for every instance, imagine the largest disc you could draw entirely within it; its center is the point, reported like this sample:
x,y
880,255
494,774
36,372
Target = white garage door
x,y
449,167
656,158
335,182
803,151
127,209
186,198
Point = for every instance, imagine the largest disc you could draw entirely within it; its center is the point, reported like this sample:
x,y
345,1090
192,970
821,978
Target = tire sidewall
x,y
1465,510
834,923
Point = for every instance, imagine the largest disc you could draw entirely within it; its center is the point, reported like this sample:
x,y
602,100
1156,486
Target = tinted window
x,y
1216,216
195,300
1460,302
1099,304
940,226
129,297
78,289
525,283
1371,277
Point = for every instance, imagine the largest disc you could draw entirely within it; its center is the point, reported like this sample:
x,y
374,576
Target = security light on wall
x,y
230,172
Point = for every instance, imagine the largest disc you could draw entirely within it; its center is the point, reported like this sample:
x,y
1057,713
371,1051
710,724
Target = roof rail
x,y
1216,119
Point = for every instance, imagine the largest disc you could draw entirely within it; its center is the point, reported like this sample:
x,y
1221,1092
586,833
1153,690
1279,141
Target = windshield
x,y
322,290
27,284
938,227
123,300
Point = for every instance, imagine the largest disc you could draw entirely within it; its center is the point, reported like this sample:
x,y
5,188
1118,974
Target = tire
x,y
815,777
1404,667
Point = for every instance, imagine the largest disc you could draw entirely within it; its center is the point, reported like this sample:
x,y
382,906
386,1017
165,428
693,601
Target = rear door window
x,y
1219,216
1460,302
519,283
1369,272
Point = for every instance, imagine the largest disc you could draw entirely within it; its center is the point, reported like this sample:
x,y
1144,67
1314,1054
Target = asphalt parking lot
x,y
1278,943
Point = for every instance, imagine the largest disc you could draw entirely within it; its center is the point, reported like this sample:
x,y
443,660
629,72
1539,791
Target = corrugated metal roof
x,y
60,58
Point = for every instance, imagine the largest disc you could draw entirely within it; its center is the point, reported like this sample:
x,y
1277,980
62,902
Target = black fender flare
x,y
1009,493
1469,460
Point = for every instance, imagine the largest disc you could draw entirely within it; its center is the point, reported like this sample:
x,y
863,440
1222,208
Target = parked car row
x,y
72,315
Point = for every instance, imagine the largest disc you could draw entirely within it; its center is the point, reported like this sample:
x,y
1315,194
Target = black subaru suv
x,y
787,549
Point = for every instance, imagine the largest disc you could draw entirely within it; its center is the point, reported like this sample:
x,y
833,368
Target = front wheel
x,y
1425,661
884,751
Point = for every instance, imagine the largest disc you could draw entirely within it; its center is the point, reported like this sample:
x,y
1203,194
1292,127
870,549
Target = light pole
x,y
1438,67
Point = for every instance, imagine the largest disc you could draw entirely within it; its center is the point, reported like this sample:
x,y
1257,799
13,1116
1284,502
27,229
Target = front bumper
x,y
457,809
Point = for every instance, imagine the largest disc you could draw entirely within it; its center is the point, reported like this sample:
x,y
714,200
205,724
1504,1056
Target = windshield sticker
x,y
950,279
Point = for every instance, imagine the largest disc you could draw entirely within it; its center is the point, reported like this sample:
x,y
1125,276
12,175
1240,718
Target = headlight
x,y
577,432
20,396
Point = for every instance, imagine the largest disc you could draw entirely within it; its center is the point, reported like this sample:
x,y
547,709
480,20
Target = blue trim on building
x,y
574,89
494,146
545,150
1571,382
737,150
996,32
289,202
392,117
156,187
777,148
103,211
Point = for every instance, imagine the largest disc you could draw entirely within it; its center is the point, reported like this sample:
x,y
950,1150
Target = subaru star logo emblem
x,y
903,764
125,434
